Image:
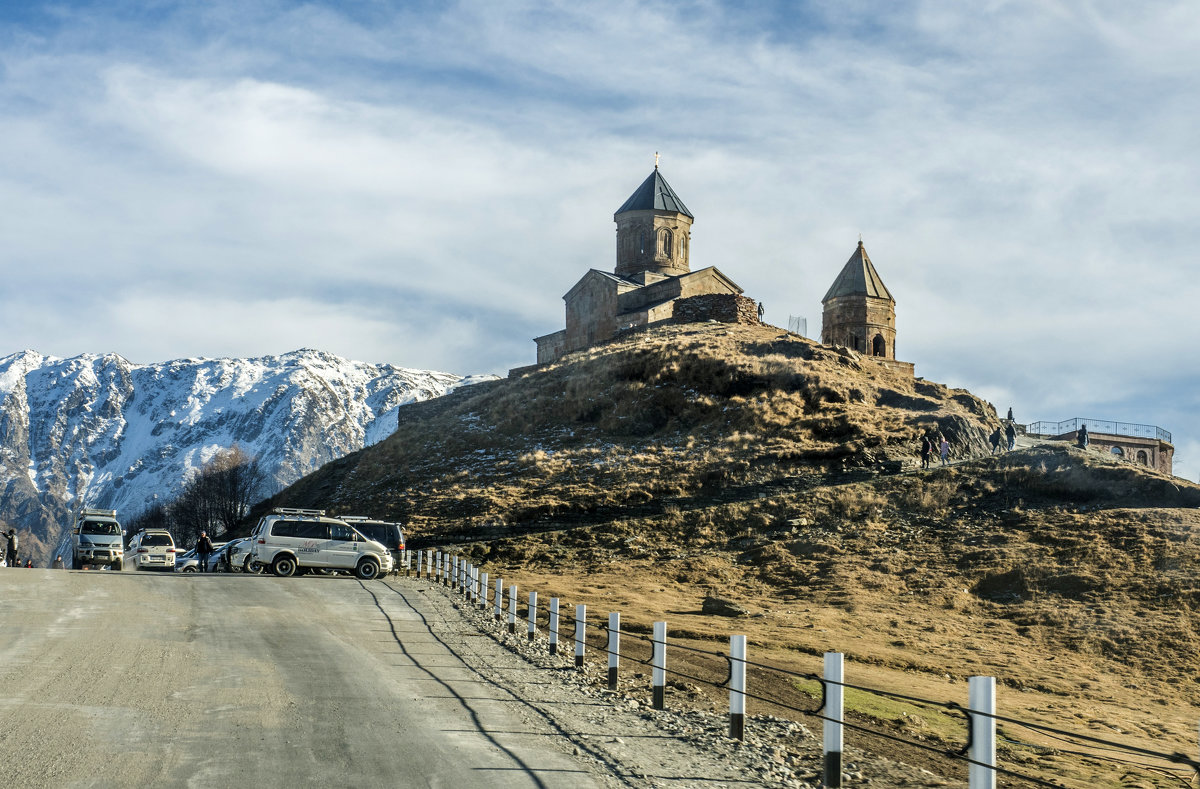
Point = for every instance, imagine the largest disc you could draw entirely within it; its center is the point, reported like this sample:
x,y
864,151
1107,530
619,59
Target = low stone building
x,y
653,272
1146,445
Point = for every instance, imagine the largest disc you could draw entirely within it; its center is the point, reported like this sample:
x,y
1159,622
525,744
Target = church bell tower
x,y
859,311
653,231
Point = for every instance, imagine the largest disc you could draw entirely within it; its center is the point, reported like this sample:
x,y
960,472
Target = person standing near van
x,y
11,553
204,549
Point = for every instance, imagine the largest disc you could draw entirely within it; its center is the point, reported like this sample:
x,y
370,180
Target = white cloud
x,y
428,184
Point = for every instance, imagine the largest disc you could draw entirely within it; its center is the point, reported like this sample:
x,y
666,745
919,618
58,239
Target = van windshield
x,y
99,527
157,539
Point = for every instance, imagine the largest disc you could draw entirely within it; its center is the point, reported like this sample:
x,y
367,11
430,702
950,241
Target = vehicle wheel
x,y
367,569
254,566
117,565
191,568
284,566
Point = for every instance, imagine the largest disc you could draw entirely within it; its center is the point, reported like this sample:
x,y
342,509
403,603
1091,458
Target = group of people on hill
x,y
931,441
1005,437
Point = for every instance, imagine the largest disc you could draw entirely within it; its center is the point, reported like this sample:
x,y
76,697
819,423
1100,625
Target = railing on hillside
x,y
980,719
1104,426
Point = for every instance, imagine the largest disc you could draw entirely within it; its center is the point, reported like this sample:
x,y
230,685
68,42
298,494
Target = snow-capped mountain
x,y
101,431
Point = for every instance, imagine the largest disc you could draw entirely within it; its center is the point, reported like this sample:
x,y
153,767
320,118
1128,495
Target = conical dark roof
x,y
858,277
655,194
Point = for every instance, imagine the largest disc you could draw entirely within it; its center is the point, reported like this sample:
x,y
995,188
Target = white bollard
x,y
420,558
532,615
614,648
428,564
659,660
553,625
834,675
737,687
512,608
454,572
981,697
580,628
499,598
483,587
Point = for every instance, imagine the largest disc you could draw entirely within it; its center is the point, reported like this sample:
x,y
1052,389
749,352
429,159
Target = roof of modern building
x,y
858,277
655,194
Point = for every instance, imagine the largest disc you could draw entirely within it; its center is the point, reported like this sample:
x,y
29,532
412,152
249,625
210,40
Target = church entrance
x,y
878,346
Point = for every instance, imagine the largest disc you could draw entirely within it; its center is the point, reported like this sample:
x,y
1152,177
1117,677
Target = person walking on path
x,y
945,449
1081,437
926,450
1010,433
204,548
995,439
11,552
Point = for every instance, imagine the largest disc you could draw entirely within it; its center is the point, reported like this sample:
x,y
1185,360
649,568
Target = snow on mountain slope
x,y
102,431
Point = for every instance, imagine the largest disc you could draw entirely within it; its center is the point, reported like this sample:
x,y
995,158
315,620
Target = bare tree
x,y
217,496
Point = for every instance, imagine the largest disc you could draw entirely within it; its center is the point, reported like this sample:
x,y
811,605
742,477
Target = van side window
x,y
312,530
342,532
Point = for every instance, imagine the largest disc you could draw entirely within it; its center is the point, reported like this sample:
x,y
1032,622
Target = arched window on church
x,y
878,346
1143,458
665,243
1118,452
857,343
683,239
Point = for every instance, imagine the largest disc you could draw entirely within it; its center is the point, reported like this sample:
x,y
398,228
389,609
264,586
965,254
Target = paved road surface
x,y
138,679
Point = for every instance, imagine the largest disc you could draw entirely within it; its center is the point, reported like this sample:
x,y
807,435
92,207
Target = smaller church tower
x,y
653,229
859,311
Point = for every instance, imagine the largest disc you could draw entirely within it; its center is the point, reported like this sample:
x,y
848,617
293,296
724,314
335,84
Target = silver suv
x,y
288,539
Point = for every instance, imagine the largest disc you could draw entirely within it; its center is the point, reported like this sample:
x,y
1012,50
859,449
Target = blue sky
x,y
420,183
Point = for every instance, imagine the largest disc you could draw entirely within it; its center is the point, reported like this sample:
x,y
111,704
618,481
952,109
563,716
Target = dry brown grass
x,y
721,459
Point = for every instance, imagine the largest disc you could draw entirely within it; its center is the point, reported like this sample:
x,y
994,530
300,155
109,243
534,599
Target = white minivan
x,y
153,549
288,539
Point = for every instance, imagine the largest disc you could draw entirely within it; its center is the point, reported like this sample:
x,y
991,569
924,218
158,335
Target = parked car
x,y
390,535
239,554
187,562
290,539
190,562
152,549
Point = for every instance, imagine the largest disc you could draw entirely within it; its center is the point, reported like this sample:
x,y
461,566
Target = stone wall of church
x,y
720,307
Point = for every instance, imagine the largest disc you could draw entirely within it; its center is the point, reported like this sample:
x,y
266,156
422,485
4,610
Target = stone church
x,y
652,273
653,282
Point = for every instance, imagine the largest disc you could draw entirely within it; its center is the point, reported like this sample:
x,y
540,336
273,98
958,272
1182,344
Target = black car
x,y
390,535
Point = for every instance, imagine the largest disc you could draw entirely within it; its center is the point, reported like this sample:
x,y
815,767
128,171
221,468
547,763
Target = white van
x,y
153,549
288,539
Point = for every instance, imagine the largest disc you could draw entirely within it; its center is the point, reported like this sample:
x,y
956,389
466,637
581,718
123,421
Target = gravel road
x,y
132,679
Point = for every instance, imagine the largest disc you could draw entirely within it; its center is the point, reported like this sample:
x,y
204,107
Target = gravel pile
x,y
634,745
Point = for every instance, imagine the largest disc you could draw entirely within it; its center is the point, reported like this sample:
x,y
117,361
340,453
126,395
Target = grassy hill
x,y
685,460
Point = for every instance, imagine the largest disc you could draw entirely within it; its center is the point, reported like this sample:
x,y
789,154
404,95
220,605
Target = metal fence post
x,y
614,648
532,615
737,687
981,698
483,587
659,660
553,625
580,627
833,711
512,608
420,558
499,598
